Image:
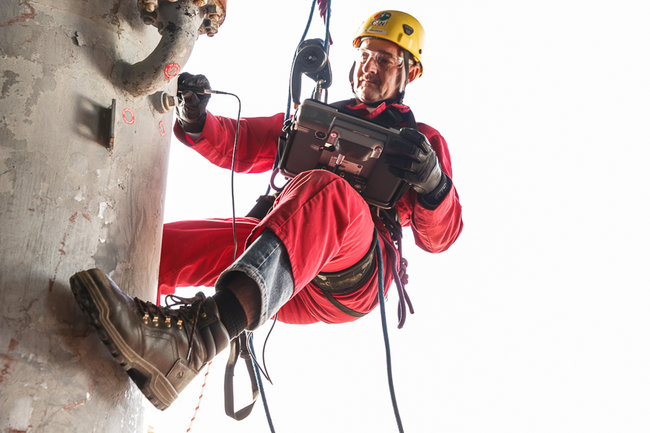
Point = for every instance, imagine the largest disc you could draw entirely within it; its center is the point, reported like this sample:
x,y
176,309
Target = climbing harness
x,y
348,280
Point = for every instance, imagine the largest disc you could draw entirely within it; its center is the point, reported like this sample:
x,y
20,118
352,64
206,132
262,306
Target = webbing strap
x,y
348,280
238,348
337,304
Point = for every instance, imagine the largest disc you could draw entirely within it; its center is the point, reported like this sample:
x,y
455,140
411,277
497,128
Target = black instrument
x,y
320,136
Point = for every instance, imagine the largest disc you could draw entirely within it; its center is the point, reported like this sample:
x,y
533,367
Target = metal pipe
x,y
179,23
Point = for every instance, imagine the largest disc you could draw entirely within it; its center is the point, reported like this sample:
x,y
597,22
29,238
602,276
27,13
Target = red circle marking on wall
x,y
171,70
128,116
161,127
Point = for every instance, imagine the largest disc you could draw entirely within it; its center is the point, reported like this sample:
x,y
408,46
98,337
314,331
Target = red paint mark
x,y
161,128
13,343
86,216
61,250
6,366
51,281
75,404
128,116
171,70
23,17
31,209
13,430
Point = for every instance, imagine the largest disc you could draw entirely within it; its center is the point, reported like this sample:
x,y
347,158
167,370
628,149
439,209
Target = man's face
x,y
379,71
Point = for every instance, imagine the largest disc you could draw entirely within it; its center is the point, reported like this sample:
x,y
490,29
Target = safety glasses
x,y
384,60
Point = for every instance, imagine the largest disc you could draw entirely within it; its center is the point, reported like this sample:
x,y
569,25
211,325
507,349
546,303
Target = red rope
x,y
198,403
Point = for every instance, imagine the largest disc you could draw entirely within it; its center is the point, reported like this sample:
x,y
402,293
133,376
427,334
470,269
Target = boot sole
x,y
153,384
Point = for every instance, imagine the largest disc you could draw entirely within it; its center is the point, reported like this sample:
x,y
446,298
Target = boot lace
x,y
178,312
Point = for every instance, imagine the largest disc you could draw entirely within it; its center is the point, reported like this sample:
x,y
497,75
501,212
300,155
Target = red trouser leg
x,y
326,226
323,223
194,253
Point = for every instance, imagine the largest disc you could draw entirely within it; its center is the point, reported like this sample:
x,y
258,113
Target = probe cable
x,y
249,335
202,91
234,231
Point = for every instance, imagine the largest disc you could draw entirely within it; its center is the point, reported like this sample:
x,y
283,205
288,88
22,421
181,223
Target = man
x,y
312,257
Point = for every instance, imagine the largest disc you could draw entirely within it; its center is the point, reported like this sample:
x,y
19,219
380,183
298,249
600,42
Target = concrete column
x,y
83,161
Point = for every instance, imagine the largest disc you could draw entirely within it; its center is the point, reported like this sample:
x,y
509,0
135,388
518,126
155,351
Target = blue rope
x,y
258,379
328,14
384,327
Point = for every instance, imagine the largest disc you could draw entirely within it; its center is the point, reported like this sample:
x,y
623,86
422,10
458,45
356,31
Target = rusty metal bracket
x,y
107,126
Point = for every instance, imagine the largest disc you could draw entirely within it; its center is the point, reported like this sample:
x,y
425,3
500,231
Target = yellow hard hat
x,y
395,26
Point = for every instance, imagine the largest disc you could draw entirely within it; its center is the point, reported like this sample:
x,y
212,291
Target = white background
x,y
536,320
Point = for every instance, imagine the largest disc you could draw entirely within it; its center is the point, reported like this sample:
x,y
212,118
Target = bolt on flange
x,y
214,12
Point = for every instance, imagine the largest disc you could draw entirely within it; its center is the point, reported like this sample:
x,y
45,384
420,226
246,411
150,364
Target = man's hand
x,y
192,110
416,163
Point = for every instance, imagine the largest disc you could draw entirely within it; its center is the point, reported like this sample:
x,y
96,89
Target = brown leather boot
x,y
161,348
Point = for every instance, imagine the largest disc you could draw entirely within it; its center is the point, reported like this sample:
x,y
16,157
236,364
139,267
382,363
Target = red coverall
x,y
334,237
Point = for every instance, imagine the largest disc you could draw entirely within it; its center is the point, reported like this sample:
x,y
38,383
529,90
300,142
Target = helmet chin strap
x,y
400,95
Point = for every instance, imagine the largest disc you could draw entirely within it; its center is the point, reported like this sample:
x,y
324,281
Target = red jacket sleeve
x,y
433,230
257,143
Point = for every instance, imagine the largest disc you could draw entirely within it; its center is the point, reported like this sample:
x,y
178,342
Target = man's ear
x,y
414,71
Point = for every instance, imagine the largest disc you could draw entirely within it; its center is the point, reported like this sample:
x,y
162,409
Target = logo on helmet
x,y
380,19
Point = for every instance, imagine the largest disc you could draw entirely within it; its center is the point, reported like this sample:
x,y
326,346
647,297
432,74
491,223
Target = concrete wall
x,y
69,202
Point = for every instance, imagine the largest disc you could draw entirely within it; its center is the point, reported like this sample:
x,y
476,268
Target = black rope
x,y
384,327
287,113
